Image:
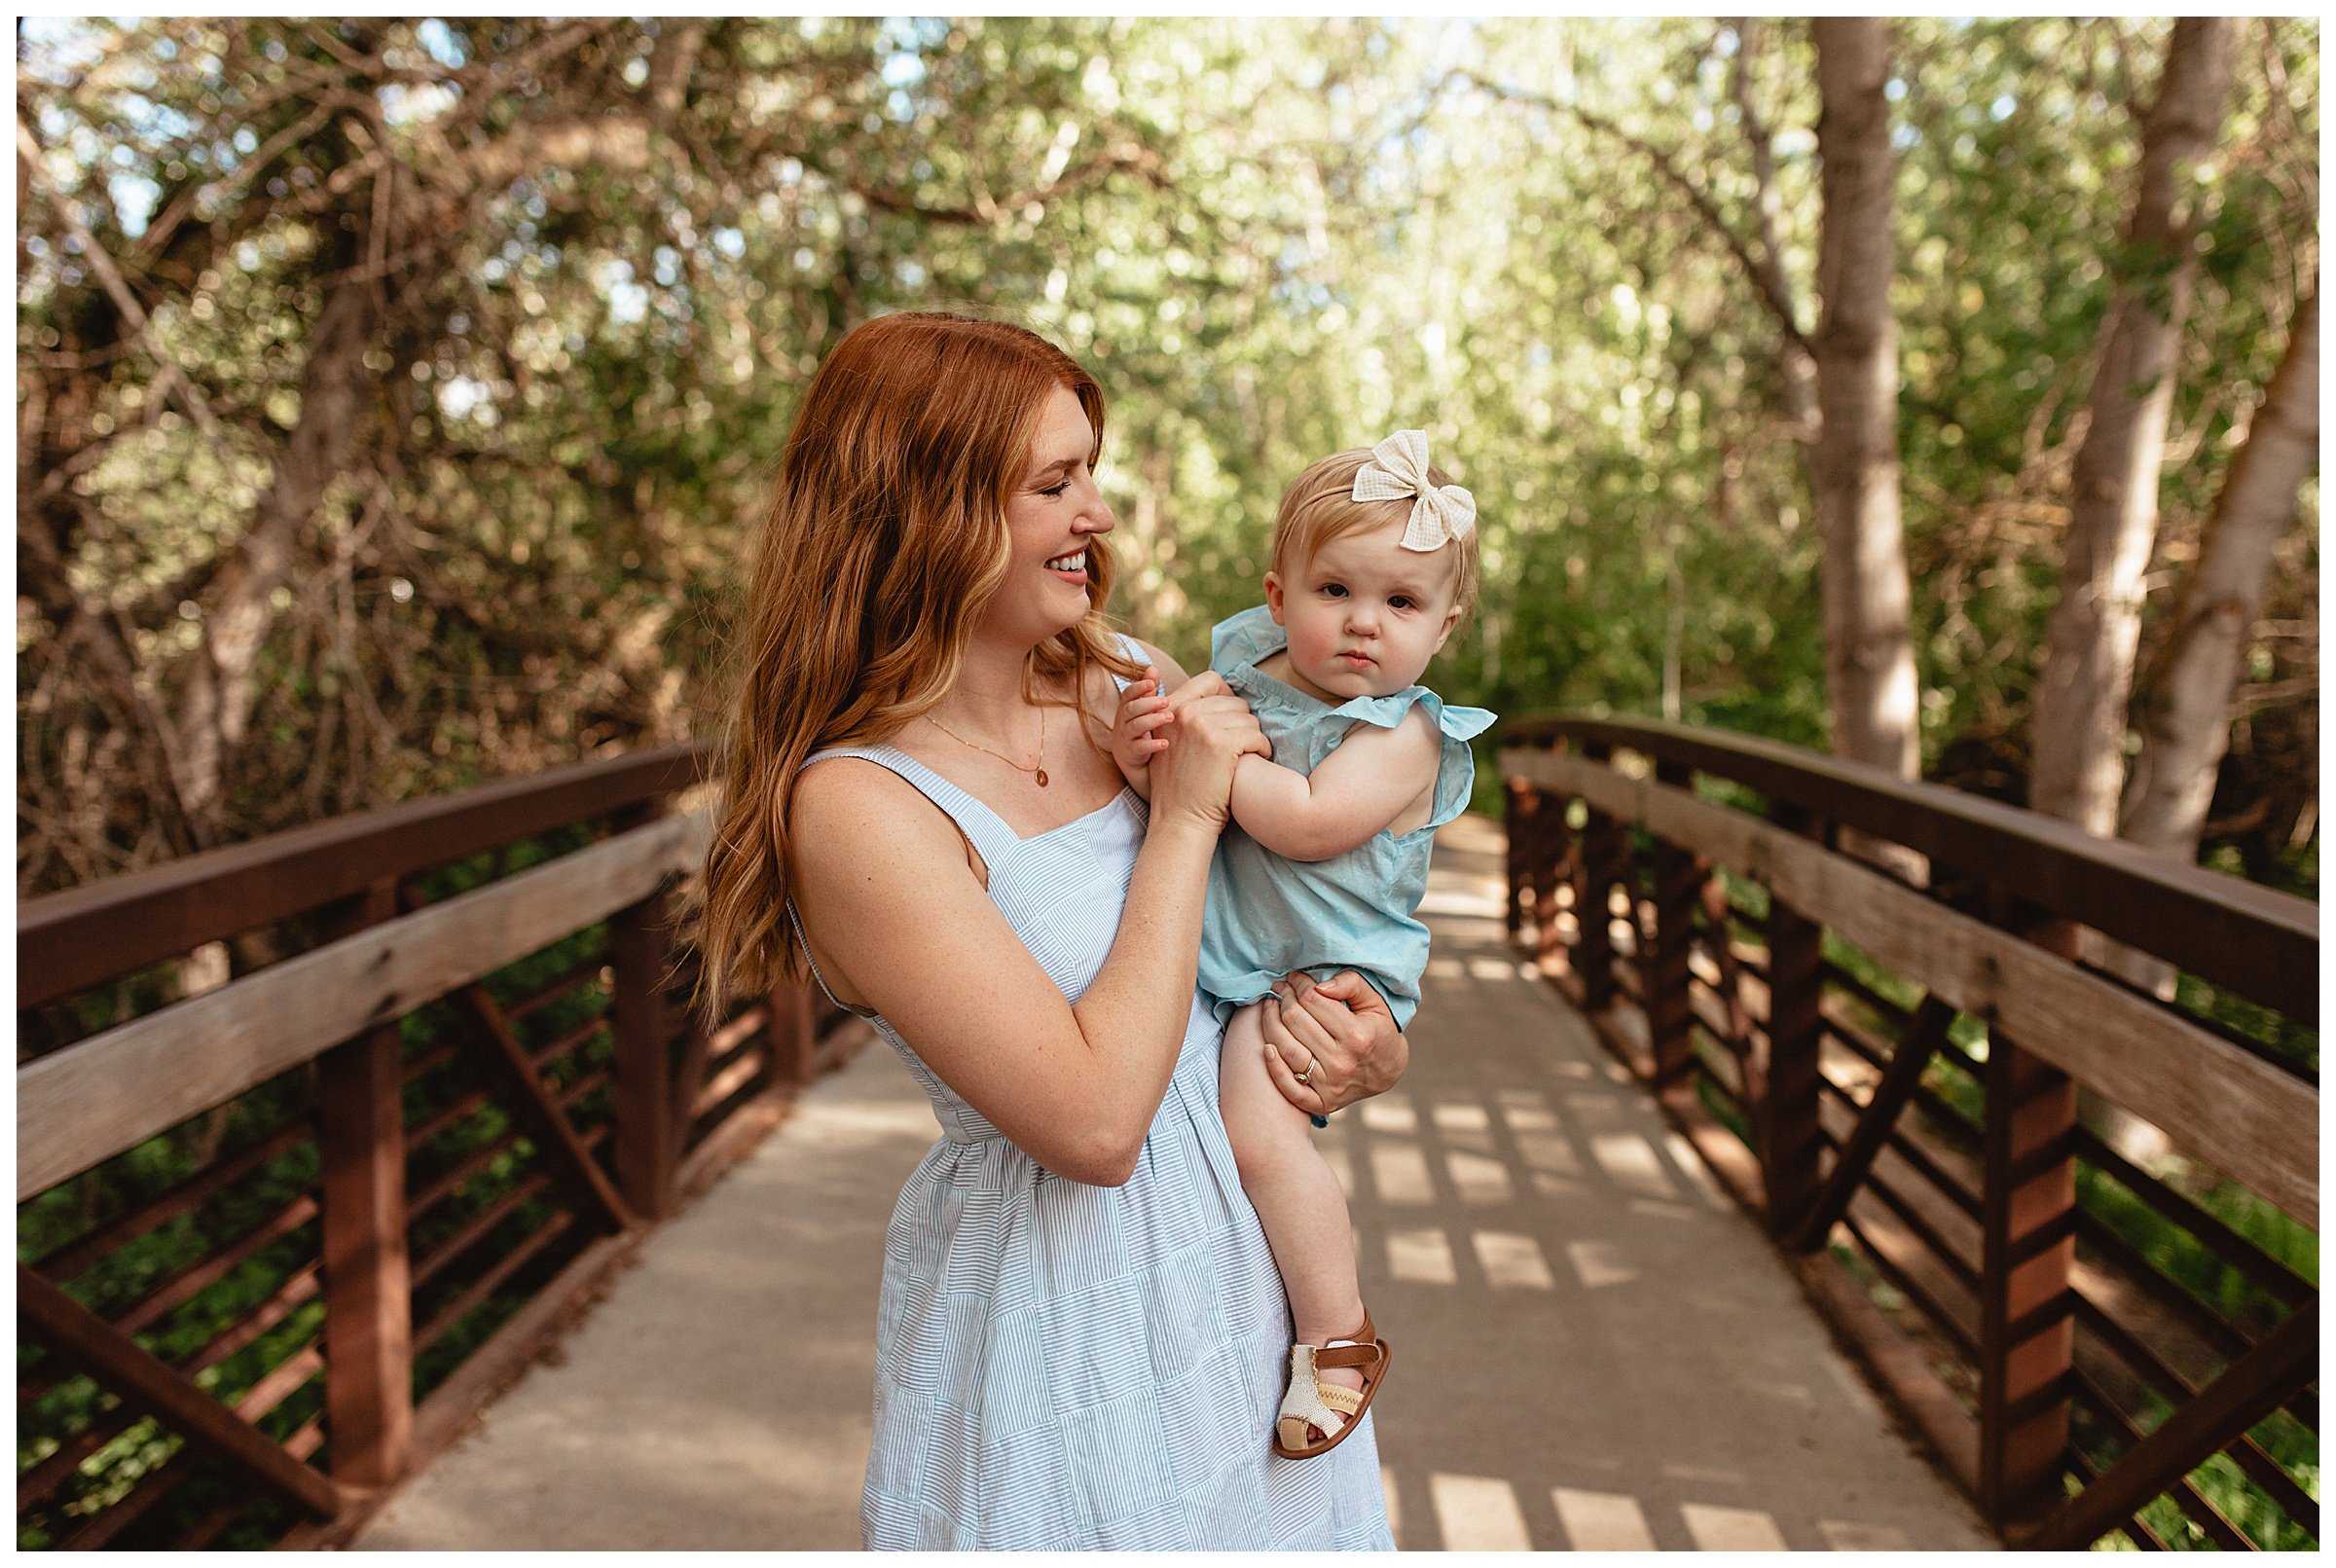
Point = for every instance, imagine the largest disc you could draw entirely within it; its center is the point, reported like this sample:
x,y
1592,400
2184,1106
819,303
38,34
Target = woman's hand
x,y
1209,729
1342,1027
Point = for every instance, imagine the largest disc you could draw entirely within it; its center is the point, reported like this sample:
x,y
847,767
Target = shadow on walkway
x,y
1597,1349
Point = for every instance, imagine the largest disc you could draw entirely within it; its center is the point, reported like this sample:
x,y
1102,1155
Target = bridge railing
x,y
1864,1001
280,1235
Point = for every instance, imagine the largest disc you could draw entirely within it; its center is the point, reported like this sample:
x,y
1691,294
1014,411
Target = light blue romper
x,y
1266,915
1060,1366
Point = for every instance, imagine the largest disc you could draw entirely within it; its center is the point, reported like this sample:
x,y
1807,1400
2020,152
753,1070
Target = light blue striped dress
x,y
1061,1365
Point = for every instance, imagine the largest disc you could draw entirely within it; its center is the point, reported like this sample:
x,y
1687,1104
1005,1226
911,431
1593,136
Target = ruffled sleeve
x,y
1456,722
1456,772
1240,641
1462,723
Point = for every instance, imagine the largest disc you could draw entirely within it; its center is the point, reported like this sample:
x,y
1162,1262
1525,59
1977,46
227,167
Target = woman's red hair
x,y
883,544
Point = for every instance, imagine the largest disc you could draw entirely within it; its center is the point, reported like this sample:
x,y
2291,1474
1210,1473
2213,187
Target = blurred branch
x,y
620,145
1769,274
158,235
1662,164
1122,158
29,157
81,624
671,60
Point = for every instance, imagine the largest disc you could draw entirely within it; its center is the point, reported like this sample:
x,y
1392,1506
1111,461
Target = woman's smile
x,y
1071,566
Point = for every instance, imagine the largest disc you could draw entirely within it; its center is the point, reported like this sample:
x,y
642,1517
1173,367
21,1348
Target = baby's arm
x,y
1359,790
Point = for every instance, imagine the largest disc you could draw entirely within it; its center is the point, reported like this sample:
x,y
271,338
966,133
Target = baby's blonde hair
x,y
1319,506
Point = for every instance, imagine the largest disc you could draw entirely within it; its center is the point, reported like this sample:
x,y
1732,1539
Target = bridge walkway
x,y
1599,1350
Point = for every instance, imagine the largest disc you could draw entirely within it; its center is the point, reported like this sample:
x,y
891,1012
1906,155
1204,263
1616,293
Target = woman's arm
x,y
883,882
1359,789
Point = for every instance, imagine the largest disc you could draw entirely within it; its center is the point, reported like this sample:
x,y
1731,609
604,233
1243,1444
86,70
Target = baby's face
x,y
1365,615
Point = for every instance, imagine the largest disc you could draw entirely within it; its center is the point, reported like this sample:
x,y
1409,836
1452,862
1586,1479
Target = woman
x,y
1080,1331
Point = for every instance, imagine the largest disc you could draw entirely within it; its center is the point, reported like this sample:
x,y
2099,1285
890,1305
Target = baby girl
x,y
1374,561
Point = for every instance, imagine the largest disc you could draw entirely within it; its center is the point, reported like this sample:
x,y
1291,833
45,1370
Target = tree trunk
x,y
2186,694
338,389
1869,657
2078,726
2077,766
2185,720
338,396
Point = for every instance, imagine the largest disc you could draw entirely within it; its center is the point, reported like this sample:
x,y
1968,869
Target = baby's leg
x,y
1294,1191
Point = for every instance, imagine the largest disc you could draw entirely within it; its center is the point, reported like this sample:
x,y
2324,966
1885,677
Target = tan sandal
x,y
1329,1408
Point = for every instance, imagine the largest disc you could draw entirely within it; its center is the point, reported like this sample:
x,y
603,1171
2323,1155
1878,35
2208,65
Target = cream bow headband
x,y
1398,467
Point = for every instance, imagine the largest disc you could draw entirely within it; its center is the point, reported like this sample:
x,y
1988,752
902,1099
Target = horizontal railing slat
x,y
2255,940
2248,1117
74,1108
70,941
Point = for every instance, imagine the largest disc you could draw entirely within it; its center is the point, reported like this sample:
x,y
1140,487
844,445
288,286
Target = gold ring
x,y
1311,1064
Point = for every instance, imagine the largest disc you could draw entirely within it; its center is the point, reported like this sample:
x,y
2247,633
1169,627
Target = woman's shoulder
x,y
842,805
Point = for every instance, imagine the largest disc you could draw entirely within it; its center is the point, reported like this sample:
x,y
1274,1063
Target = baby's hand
x,y
1137,734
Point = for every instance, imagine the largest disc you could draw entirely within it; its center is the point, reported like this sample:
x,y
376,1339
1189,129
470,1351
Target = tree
x,y
2079,721
1839,387
2185,704
2185,708
1854,469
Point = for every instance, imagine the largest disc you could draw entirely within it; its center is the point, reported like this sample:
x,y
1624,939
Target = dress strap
x,y
1134,650
796,921
982,827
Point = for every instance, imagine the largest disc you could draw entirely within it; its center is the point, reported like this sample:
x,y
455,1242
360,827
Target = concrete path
x,y
1596,1350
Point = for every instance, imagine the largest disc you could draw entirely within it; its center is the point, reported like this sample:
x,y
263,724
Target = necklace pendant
x,y
1041,777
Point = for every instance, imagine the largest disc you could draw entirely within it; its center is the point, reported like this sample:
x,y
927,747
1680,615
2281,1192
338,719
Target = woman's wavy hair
x,y
882,546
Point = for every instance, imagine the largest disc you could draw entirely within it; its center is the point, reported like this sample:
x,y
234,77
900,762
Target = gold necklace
x,y
1039,770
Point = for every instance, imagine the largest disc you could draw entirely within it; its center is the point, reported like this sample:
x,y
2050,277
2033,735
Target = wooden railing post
x,y
645,1143
1604,859
793,1034
2028,1209
1663,971
368,1307
1520,830
1784,1097
1554,858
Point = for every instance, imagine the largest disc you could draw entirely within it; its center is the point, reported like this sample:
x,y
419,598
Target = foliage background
x,y
1271,239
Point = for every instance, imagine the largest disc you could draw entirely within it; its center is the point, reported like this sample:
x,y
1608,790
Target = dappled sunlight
x,y
1527,1110
1479,1180
1477,1513
1689,1165
1631,1160
1601,1521
1598,1264
1512,1260
1730,1529
1420,1258
1842,1535
1461,1117
1399,1173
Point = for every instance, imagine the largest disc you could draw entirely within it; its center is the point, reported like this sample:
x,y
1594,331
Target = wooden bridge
x,y
282,1240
